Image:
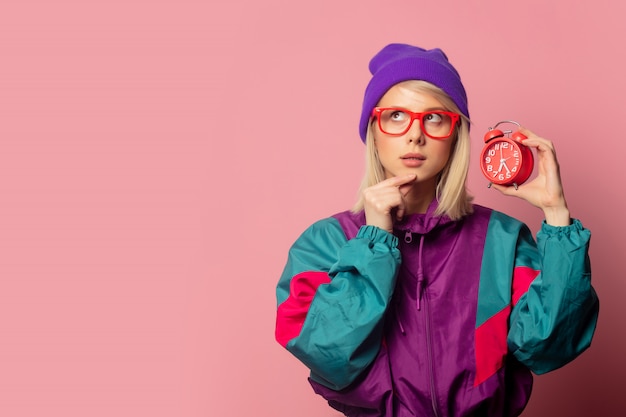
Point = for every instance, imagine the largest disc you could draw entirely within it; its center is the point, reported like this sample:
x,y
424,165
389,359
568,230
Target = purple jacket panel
x,y
426,363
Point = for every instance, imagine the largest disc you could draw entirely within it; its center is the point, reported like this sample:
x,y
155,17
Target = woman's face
x,y
412,152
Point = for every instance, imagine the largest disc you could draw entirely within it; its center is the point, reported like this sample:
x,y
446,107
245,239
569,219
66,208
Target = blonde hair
x,y
452,195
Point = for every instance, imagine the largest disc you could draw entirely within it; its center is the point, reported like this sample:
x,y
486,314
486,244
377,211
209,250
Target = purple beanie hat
x,y
400,62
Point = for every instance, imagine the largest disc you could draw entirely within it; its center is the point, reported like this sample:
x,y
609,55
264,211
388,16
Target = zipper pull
x,y
420,284
408,237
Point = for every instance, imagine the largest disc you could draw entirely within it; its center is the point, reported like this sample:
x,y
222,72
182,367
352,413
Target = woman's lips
x,y
413,160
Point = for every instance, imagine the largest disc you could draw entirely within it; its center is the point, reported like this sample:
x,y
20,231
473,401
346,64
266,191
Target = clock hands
x,y
502,164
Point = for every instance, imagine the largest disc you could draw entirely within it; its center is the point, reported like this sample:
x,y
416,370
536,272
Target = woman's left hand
x,y
546,190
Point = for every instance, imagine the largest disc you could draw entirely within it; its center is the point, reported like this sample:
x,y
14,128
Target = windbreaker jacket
x,y
440,318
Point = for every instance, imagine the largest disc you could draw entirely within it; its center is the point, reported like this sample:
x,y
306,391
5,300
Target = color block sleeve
x,y
332,297
555,307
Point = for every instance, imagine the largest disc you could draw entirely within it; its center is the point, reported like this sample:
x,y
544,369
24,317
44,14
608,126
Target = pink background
x,y
158,158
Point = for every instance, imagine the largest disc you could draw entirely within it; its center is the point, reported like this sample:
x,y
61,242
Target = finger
x,y
401,207
527,132
539,143
398,181
506,190
400,212
533,138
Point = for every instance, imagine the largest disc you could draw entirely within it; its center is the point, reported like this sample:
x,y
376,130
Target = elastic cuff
x,y
575,226
377,235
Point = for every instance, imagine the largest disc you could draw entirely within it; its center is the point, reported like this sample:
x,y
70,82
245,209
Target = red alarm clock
x,y
505,160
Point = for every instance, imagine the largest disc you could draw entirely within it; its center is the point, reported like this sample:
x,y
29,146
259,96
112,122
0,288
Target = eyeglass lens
x,y
435,124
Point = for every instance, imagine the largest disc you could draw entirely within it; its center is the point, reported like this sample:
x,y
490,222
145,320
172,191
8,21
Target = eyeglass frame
x,y
455,117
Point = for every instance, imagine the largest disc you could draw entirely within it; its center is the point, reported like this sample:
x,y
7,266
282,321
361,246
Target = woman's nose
x,y
415,133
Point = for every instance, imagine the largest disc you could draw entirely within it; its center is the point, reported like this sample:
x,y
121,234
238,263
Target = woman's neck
x,y
419,197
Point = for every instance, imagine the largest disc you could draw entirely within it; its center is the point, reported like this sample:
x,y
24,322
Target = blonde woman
x,y
418,302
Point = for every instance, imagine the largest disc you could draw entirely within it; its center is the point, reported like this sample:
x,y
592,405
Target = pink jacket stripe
x,y
491,344
293,311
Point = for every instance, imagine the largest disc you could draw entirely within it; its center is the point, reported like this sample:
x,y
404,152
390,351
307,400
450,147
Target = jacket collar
x,y
422,223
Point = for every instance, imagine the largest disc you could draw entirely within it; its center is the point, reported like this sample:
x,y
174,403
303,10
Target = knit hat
x,y
400,62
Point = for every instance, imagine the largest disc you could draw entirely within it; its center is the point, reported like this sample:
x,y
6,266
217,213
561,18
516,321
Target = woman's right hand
x,y
382,198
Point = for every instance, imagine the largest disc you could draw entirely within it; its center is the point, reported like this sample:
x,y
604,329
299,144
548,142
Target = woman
x,y
418,302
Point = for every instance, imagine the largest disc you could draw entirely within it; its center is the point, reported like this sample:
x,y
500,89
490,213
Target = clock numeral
x,y
516,154
488,160
505,145
489,168
514,169
492,152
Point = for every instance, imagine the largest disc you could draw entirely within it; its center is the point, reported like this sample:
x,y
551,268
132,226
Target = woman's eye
x,y
433,118
397,115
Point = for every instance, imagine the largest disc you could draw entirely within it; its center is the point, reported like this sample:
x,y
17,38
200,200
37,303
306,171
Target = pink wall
x,y
158,158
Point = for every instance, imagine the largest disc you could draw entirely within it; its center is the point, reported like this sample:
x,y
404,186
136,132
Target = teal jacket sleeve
x,y
332,297
554,320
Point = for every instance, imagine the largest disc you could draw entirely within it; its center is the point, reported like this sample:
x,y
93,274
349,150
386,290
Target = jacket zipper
x,y
408,238
431,368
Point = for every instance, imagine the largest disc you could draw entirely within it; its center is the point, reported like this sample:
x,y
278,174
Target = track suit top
x,y
438,318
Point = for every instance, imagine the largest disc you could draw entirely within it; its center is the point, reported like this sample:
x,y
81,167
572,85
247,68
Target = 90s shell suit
x,y
440,318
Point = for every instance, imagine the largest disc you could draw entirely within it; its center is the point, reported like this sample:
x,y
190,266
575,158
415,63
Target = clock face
x,y
505,162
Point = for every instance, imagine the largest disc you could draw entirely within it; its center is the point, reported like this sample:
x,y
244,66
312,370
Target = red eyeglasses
x,y
436,124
